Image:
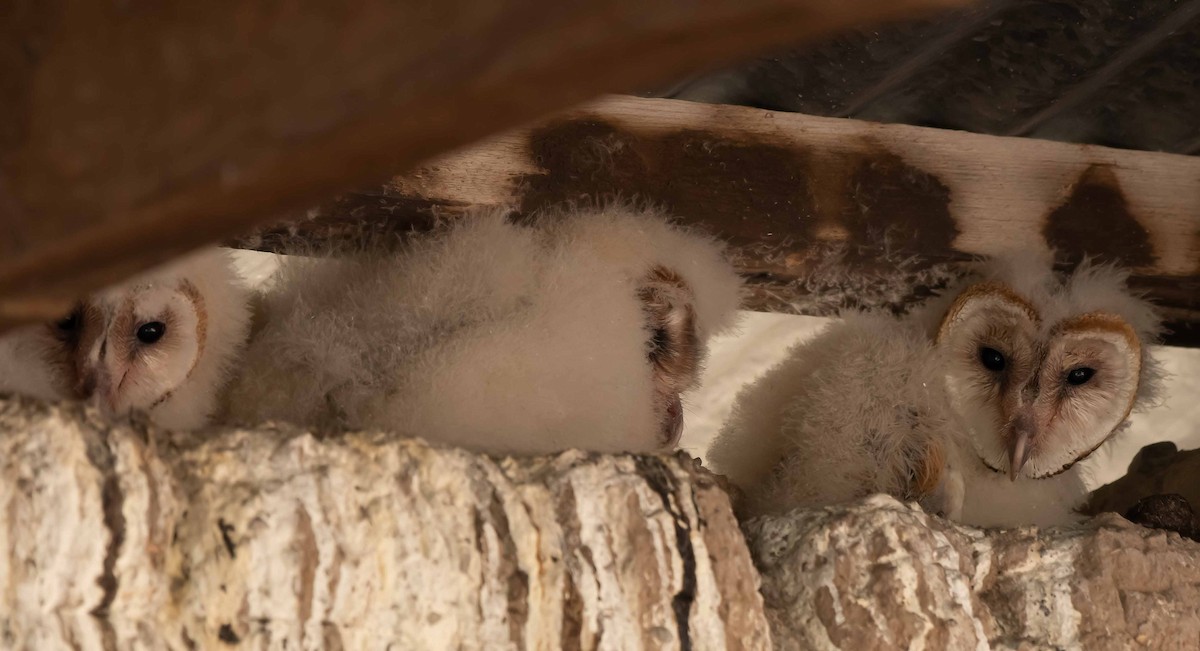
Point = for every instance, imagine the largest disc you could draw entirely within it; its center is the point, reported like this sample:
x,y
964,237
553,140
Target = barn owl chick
x,y
162,343
856,410
979,405
576,330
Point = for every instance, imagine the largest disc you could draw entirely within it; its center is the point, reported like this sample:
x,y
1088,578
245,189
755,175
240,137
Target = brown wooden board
x,y
131,132
823,214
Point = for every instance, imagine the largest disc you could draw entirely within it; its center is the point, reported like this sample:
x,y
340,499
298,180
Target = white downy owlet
x,y
572,330
979,404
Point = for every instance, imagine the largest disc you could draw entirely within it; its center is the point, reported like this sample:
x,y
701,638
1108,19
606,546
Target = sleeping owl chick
x,y
161,343
979,404
577,330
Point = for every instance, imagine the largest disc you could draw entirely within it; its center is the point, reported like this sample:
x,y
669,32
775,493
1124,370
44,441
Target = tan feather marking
x,y
929,474
90,328
674,348
1110,323
989,289
58,347
1075,460
188,289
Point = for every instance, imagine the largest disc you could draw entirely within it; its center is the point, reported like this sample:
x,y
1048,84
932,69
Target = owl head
x,y
160,343
1045,368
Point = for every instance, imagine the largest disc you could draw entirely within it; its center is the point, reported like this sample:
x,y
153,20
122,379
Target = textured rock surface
x,y
883,575
124,537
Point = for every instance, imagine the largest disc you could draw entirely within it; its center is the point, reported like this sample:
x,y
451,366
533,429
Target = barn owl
x,y
979,405
573,330
162,343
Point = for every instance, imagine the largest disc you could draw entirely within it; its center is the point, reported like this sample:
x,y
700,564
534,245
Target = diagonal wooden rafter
x,y
131,133
913,65
1187,12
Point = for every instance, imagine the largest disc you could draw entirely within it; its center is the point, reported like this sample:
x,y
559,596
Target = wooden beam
x,y
826,213
133,132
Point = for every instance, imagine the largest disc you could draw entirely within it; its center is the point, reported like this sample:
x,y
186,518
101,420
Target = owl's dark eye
x,y
1080,375
67,328
151,332
68,324
992,359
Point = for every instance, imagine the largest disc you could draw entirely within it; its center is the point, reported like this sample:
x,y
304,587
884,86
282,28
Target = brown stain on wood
x,y
895,208
747,190
783,208
1095,220
751,192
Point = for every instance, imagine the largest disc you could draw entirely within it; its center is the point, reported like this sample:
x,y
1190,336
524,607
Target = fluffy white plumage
x,y
577,330
162,343
33,363
906,406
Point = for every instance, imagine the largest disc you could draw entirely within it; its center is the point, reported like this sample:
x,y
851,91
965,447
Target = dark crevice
x,y
227,529
227,635
113,501
659,478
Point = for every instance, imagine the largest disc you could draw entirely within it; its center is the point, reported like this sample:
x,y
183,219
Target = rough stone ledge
x,y
880,574
117,537
120,537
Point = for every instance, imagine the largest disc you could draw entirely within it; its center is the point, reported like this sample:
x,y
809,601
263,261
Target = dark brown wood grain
x,y
132,132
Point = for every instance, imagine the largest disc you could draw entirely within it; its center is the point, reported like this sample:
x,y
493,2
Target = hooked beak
x,y
101,389
1018,453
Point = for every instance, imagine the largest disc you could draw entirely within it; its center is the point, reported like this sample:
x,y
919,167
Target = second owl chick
x,y
857,410
980,404
579,330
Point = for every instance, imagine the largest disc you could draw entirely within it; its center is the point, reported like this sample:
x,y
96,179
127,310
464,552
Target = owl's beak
x,y
106,391
1018,453
99,386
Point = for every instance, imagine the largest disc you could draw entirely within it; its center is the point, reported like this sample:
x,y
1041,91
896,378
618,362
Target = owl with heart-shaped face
x,y
978,404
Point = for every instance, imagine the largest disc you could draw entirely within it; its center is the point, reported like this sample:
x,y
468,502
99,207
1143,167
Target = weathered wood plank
x,y
827,213
133,132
